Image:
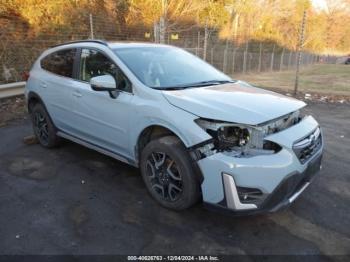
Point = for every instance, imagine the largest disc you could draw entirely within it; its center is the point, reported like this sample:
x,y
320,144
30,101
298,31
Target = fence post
x,y
233,59
91,27
224,62
272,57
205,45
260,57
156,32
307,58
245,57
198,42
282,58
302,57
290,59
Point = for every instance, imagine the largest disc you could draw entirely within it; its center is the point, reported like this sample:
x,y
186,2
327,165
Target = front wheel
x,y
168,173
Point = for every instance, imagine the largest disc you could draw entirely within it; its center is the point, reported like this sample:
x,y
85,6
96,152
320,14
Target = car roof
x,y
112,45
116,45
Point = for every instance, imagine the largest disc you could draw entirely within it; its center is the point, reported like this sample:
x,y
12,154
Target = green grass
x,y
323,79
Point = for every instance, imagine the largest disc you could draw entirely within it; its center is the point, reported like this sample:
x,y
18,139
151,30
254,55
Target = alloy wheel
x,y
41,128
164,176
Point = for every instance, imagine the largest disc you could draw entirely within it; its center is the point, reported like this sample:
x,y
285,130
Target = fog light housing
x,y
250,195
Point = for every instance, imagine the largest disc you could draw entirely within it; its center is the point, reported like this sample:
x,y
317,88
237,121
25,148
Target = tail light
x,y
25,76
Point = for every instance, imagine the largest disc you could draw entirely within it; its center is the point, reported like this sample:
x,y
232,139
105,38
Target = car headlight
x,y
230,136
238,139
227,136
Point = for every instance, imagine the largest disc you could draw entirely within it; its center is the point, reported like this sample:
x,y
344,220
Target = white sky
x,y
319,4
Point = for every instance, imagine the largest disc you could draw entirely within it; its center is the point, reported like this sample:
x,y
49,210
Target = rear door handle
x,y
76,94
43,85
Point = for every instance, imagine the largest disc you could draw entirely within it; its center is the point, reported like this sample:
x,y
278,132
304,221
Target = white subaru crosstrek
x,y
194,132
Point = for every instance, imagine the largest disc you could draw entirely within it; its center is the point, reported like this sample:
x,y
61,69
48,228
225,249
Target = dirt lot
x,y
72,200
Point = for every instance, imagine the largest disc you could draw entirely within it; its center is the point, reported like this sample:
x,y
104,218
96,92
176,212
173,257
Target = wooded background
x,y
233,35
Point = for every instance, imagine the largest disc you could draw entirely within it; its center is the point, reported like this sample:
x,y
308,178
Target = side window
x,y
60,62
94,63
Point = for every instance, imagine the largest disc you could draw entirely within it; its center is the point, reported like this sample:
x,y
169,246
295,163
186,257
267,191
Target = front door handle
x,y
43,85
76,94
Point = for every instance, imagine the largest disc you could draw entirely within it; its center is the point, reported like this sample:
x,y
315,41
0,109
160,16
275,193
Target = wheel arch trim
x,y
34,95
160,125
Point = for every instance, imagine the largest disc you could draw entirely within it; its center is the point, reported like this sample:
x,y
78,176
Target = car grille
x,y
308,146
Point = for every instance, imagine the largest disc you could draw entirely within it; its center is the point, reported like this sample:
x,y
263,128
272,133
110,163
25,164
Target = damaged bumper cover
x,y
264,183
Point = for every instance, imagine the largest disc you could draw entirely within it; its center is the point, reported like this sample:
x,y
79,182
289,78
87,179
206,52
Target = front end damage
x,y
261,168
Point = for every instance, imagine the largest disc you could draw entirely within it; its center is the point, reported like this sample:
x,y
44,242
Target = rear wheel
x,y
168,173
43,127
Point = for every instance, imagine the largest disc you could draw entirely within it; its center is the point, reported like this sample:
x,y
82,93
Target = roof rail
x,y
102,42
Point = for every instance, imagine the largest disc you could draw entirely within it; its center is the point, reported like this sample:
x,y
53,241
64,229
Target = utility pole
x,y
300,47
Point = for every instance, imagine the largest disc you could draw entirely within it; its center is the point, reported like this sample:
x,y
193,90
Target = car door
x,y
102,120
56,84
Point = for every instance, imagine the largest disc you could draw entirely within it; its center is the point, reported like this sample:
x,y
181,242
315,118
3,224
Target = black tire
x,y
176,172
43,128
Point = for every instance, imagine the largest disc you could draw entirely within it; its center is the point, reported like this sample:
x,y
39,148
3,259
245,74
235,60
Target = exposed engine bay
x,y
240,140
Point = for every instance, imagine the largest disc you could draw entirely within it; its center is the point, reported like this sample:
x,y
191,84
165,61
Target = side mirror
x,y
104,83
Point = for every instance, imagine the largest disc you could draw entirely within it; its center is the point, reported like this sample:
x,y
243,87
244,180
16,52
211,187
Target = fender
x,y
33,95
169,127
161,123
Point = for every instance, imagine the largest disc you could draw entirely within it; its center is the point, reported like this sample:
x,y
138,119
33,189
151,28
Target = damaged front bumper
x,y
264,183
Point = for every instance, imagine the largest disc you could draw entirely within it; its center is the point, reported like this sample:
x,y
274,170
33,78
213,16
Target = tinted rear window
x,y
60,62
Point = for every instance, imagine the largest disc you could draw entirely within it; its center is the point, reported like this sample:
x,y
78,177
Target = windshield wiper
x,y
168,88
207,83
197,84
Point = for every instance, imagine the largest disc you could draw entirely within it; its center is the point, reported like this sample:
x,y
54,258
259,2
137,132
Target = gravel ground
x,y
72,200
12,109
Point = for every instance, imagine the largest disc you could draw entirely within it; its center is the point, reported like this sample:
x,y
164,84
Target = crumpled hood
x,y
236,102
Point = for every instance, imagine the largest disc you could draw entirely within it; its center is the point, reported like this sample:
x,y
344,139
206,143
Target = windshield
x,y
169,67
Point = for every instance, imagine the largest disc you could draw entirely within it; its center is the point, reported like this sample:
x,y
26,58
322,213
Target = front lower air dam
x,y
231,195
266,182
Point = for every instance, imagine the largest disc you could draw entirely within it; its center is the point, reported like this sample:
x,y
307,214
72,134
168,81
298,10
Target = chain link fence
x,y
20,45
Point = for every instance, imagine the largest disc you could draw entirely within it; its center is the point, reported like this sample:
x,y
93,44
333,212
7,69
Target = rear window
x,y
60,62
